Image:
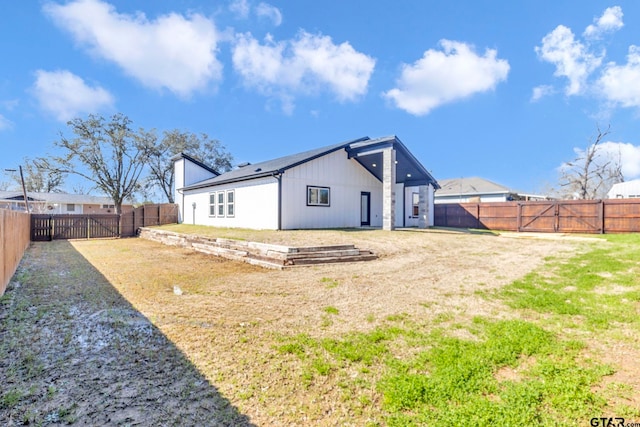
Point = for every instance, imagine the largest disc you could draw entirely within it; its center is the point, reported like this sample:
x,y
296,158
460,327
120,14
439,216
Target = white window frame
x,y
71,207
311,189
231,205
212,206
220,203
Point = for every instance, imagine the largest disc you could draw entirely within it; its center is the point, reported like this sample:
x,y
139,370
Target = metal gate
x,y
50,227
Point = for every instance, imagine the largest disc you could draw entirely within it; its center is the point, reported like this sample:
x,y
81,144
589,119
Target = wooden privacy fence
x,y
53,227
556,216
147,215
14,239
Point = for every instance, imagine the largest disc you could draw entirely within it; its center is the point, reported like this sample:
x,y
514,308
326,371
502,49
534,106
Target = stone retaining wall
x,y
262,254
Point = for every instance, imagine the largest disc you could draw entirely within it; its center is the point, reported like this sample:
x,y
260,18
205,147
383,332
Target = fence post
x,y
601,214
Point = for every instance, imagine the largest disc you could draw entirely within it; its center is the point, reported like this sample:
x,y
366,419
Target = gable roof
x,y
280,165
471,186
195,162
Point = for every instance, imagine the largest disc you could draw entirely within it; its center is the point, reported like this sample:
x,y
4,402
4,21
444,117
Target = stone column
x,y
388,189
423,206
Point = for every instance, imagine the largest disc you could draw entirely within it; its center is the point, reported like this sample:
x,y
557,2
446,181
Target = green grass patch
x,y
600,286
331,310
457,381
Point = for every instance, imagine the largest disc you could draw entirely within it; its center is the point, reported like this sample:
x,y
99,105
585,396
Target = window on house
x,y
108,206
318,196
231,203
415,203
220,195
71,207
212,204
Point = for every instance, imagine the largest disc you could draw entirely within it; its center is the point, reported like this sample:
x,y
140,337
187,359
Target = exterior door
x,y
365,208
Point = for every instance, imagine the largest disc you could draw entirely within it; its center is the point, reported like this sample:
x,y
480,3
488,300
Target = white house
x,y
360,183
59,203
475,190
625,190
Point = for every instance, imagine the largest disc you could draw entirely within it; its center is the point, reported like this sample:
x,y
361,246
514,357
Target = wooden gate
x,y
566,216
50,227
41,229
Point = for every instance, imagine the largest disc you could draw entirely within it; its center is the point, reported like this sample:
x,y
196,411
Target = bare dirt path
x,y
78,352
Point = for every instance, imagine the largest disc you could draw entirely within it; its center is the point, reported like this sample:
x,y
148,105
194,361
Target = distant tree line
x,y
120,161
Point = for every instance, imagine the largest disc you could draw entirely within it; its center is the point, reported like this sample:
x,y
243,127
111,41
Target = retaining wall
x,y
262,254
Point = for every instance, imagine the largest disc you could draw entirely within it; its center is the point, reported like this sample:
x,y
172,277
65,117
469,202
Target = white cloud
x,y
441,77
627,154
172,51
265,10
619,83
571,58
541,91
240,8
66,95
5,123
611,20
304,65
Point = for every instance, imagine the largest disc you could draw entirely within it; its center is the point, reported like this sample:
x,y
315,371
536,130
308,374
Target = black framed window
x,y
318,196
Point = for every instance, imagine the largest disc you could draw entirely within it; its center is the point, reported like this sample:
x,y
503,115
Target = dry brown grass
x,y
230,316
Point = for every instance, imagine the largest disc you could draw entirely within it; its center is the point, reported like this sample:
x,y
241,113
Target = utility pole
x,y
24,188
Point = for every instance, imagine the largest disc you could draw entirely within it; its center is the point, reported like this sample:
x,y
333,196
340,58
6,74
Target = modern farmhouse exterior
x,y
360,183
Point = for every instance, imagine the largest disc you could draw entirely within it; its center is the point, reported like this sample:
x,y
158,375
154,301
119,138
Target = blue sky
x,y
504,90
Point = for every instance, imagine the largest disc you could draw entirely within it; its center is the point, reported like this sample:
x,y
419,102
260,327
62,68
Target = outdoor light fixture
x,y
408,175
374,165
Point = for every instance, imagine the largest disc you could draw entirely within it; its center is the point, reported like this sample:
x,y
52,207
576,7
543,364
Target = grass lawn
x,y
444,329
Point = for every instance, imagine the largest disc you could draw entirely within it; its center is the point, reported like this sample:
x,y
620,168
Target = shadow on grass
x,y
72,349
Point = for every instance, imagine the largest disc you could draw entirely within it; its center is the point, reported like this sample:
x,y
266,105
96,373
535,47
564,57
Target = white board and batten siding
x,y
345,178
255,205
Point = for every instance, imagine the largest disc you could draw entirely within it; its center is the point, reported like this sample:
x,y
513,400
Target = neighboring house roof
x,y
62,198
471,186
625,189
357,148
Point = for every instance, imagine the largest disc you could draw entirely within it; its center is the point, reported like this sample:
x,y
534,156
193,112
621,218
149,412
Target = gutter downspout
x,y
278,177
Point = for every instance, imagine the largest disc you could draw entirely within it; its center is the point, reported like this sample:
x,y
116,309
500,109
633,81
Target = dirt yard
x,y
131,332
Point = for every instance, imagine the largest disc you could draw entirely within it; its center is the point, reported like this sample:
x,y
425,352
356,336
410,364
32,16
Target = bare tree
x,y
39,177
592,172
209,151
108,153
